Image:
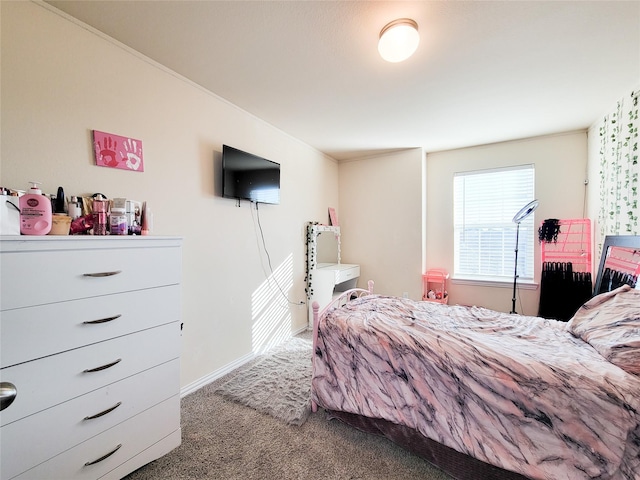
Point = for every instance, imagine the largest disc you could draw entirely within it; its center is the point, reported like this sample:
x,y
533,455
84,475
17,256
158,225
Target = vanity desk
x,y
327,277
89,354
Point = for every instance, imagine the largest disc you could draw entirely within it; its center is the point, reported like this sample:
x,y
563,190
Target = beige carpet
x,y
223,439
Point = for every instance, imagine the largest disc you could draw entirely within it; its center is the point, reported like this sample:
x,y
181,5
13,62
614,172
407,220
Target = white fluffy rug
x,y
277,383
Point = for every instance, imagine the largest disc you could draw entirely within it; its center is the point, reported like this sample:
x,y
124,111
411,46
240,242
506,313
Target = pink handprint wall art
x,y
115,151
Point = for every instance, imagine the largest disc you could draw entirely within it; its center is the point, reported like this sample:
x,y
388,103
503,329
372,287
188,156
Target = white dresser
x,y
90,344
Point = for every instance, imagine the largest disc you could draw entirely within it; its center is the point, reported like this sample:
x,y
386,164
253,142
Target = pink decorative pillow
x,y
610,323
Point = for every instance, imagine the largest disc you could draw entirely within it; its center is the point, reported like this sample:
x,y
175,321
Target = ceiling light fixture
x,y
398,40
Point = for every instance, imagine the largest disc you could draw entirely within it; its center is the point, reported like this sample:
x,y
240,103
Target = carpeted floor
x,y
224,439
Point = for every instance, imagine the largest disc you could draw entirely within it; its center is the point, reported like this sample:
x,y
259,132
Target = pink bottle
x,y
100,215
35,212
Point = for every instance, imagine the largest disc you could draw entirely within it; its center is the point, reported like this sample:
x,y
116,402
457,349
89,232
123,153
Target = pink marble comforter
x,y
517,392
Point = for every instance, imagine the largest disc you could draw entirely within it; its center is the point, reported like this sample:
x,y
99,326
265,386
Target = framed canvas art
x,y
114,151
333,217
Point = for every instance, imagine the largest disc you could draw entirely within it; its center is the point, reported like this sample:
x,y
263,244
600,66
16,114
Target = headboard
x,y
619,263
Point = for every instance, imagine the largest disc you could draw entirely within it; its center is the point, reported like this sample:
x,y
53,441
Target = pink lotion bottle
x,y
35,212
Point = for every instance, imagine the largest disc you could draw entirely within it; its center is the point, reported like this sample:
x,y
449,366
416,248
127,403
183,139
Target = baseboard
x,y
221,372
304,328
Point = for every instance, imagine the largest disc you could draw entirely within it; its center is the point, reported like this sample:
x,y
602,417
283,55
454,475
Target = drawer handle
x,y
101,320
8,393
102,274
104,412
102,367
104,457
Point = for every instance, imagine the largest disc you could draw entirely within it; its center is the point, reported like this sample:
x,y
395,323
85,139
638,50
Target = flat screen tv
x,y
249,177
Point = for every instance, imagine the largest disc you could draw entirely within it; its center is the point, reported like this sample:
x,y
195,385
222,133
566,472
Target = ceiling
x,y
484,72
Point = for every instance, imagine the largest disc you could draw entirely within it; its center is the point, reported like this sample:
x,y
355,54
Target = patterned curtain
x,y
619,170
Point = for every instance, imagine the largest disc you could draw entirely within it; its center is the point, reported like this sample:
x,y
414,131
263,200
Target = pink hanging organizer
x,y
573,245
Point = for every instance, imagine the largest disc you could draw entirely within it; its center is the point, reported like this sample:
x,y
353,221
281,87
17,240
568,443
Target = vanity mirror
x,y
327,276
619,263
328,246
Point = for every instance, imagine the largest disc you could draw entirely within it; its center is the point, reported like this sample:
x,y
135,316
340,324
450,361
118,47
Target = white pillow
x,y
610,323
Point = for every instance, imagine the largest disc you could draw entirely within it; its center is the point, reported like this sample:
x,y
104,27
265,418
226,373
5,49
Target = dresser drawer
x,y
52,380
147,455
42,277
68,424
132,437
35,332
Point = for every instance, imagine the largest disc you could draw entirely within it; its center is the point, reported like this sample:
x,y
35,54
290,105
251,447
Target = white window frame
x,y
501,192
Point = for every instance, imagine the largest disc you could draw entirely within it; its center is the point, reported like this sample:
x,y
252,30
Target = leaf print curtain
x,y
619,169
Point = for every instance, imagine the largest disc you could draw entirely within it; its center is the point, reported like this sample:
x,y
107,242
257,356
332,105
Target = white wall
x,y
381,220
61,79
560,171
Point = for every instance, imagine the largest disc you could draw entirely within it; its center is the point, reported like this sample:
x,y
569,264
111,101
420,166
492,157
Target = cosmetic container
x,y
118,221
74,208
35,212
59,202
147,219
60,224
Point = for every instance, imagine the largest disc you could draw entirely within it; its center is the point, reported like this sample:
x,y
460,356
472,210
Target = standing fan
x,y
523,213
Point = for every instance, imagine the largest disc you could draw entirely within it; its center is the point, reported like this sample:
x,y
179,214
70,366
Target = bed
x,y
483,394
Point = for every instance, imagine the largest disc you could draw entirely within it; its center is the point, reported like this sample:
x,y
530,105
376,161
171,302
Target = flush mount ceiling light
x,y
398,40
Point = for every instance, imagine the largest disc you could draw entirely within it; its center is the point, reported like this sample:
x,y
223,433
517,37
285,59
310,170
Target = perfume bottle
x,y
100,206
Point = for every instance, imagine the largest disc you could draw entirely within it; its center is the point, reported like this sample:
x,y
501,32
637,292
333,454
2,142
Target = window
x,y
485,203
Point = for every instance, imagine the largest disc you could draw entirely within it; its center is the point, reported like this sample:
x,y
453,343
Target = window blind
x,y
485,203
